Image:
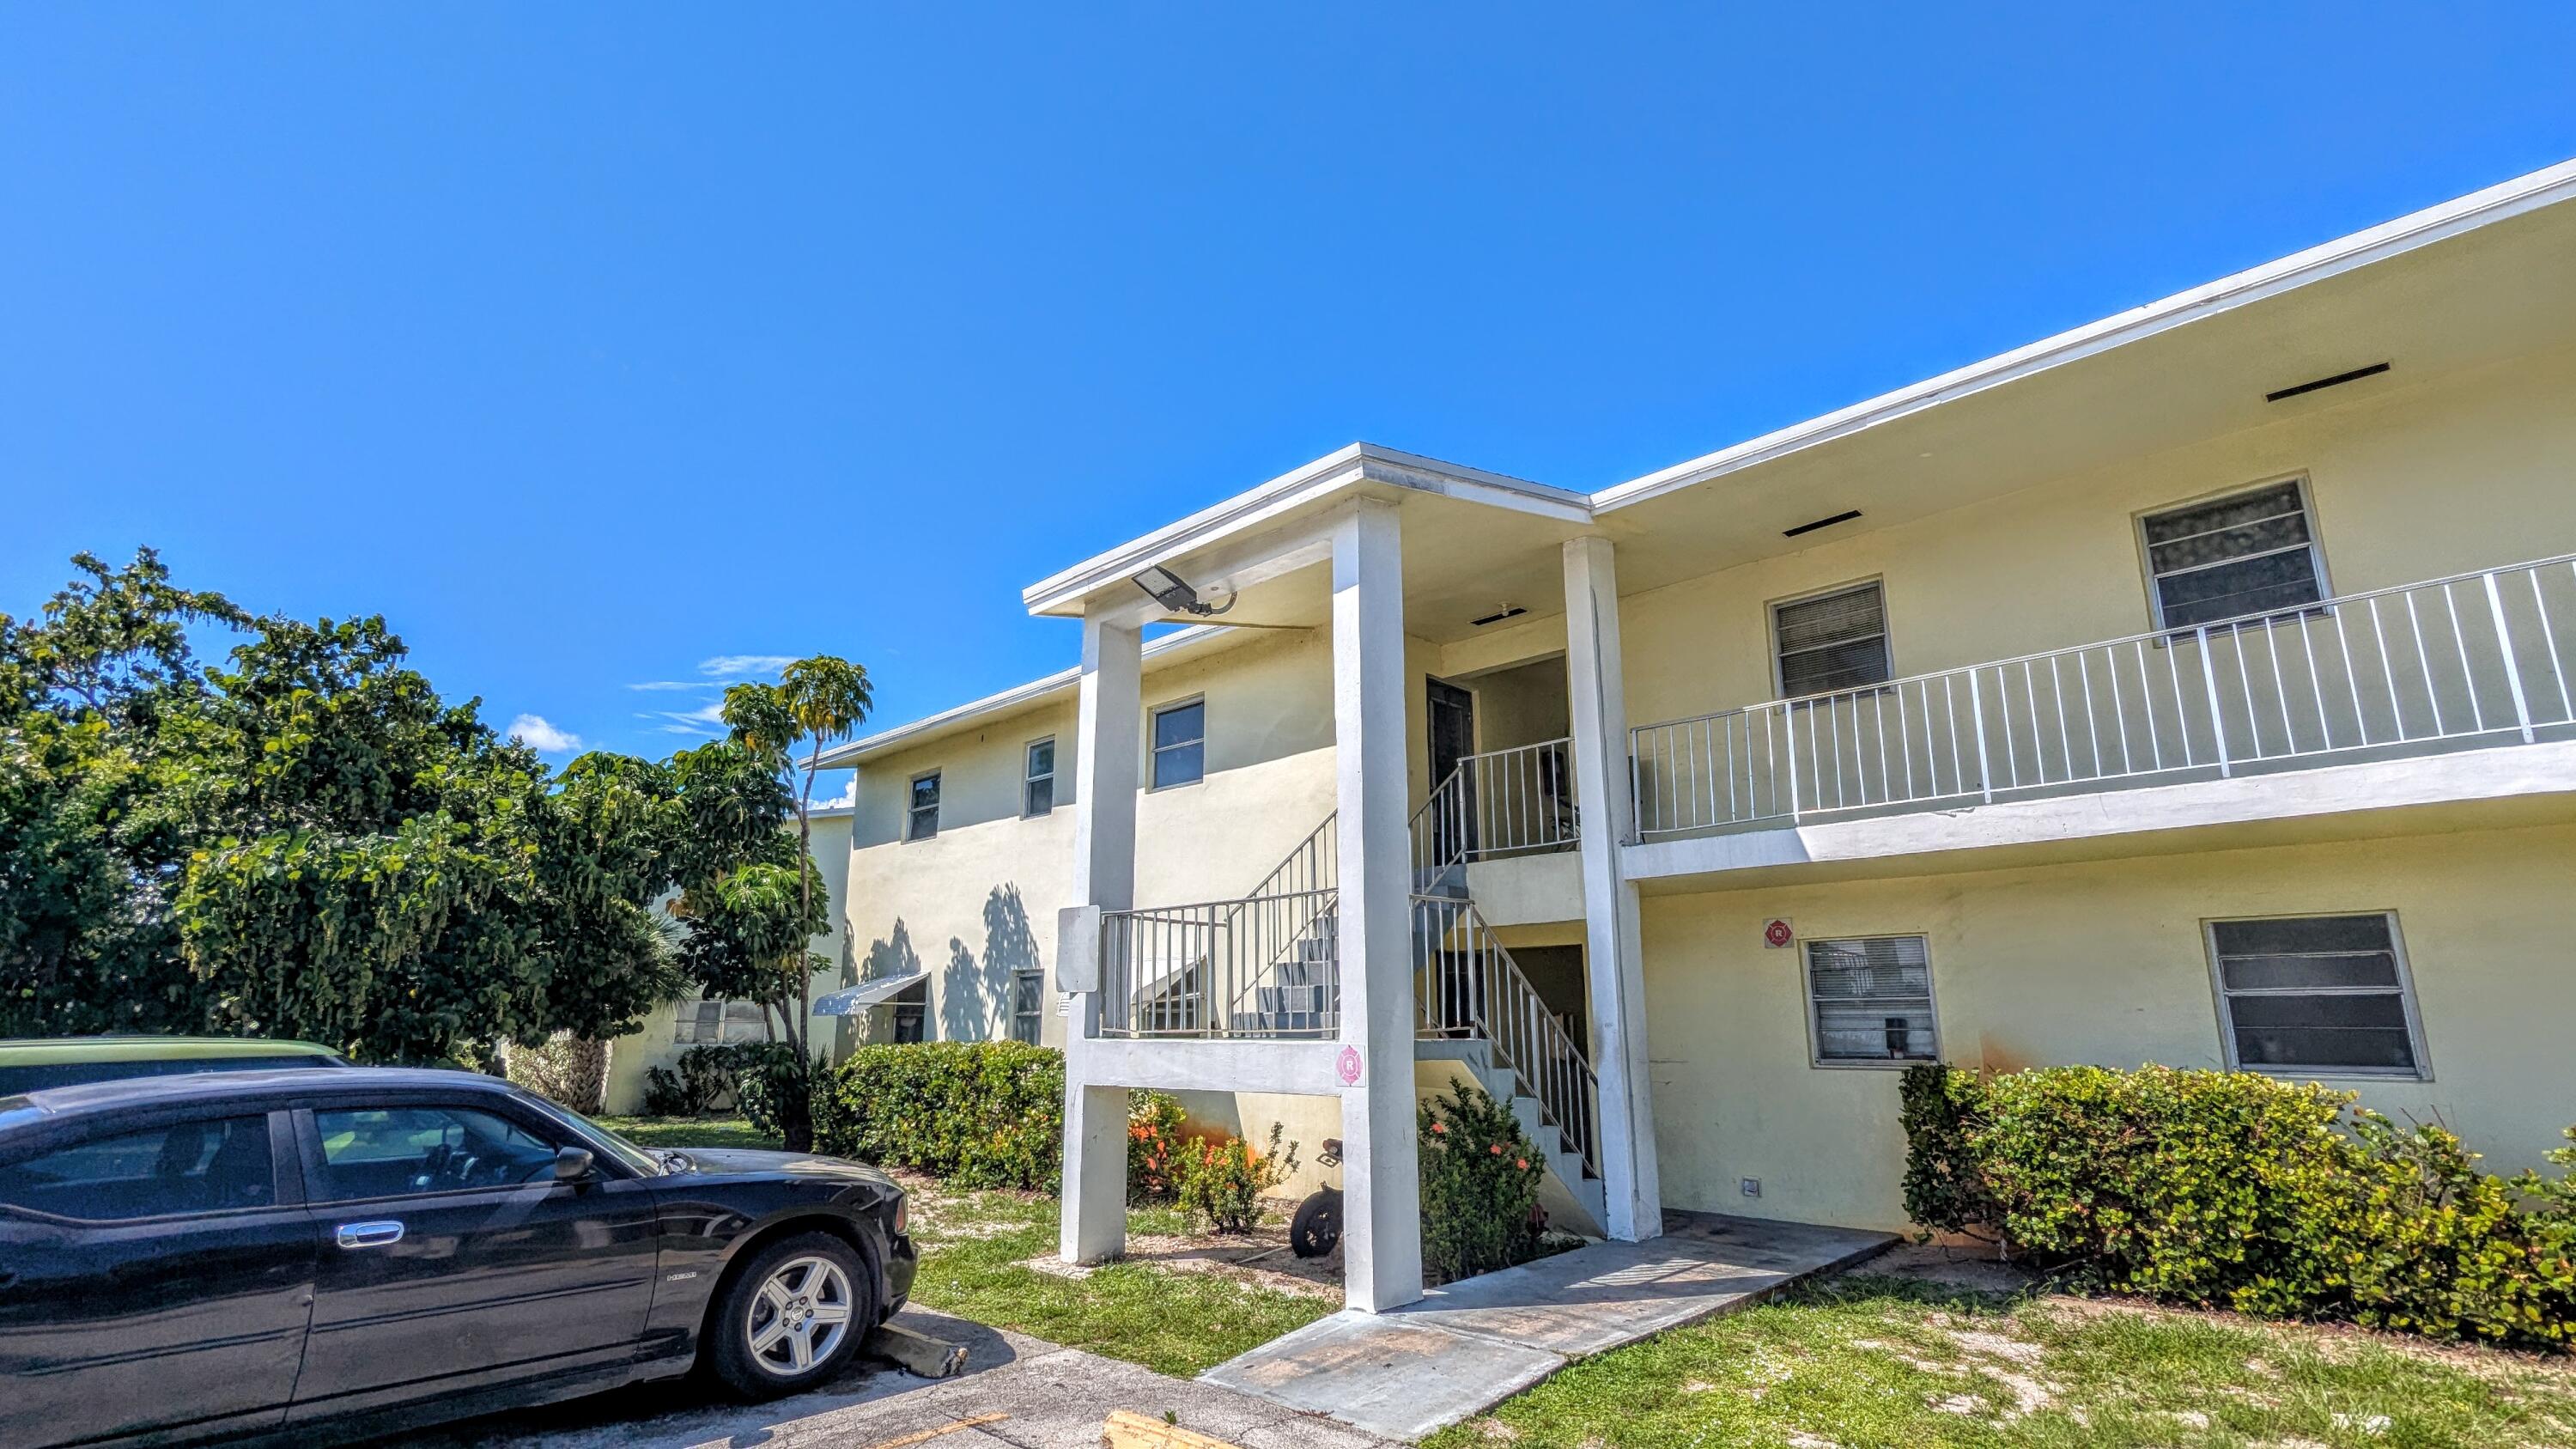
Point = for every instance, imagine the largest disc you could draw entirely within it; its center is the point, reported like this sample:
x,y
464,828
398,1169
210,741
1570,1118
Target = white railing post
x,y
2217,720
1977,715
2512,668
1789,728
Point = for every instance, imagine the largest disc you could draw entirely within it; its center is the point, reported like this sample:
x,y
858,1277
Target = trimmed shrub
x,y
1222,1180
1480,1181
1154,1145
981,1114
704,1082
2238,1190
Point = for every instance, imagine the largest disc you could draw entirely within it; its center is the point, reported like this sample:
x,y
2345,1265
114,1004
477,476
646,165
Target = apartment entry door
x,y
1452,714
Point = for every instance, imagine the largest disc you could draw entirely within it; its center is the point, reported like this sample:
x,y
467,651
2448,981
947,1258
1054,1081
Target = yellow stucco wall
x,y
2464,472
2099,963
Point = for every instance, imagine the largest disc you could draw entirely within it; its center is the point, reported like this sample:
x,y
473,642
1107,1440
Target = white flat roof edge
x,y
856,751
1341,468
2496,203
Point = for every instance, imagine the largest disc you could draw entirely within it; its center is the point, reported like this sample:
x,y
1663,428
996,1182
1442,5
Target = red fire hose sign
x,y
1777,933
1348,1066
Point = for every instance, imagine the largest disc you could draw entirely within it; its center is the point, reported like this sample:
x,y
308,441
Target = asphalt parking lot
x,y
1014,1391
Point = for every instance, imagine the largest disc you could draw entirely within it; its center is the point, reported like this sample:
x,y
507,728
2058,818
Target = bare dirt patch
x,y
1260,1258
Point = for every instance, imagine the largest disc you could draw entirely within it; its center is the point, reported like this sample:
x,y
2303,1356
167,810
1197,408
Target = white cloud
x,y
725,664
849,795
678,684
533,731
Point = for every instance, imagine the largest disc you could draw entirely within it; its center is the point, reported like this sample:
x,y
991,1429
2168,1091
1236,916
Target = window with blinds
x,y
1870,1000
1833,641
710,1022
2248,553
2315,994
1028,996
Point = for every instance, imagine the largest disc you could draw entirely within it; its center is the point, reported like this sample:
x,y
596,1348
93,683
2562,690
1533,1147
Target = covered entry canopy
x,y
857,999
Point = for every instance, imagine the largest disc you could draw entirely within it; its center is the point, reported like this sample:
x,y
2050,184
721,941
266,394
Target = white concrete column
x,y
1106,749
1615,967
1381,1175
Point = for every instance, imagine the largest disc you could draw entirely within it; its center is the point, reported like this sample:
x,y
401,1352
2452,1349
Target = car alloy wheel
x,y
799,1316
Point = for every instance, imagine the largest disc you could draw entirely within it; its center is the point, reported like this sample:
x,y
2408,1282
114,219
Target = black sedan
x,y
302,1252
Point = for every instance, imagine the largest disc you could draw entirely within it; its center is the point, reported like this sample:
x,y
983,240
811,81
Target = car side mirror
x,y
572,1164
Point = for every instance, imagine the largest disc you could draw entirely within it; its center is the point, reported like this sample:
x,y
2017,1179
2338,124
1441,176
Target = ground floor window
x,y
1869,999
2316,994
1028,994
911,1007
710,1022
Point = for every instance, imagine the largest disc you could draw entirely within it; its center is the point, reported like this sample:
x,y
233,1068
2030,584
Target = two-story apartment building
x,y
2197,687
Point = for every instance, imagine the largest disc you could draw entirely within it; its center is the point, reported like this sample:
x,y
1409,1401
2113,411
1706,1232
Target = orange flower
x,y
1521,1163
1496,1149
1439,1127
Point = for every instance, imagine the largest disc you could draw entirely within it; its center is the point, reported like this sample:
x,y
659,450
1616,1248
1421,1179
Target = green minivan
x,y
31,1064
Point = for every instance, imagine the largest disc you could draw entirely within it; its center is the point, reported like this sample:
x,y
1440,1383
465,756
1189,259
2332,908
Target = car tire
x,y
793,1317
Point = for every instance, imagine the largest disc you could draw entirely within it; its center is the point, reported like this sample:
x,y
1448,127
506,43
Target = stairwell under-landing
x,y
1468,1346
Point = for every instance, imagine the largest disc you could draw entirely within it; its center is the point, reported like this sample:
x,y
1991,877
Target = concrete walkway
x,y
1016,1393
1469,1346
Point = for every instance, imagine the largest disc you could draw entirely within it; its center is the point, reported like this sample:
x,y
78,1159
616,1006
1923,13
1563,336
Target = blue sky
x,y
602,347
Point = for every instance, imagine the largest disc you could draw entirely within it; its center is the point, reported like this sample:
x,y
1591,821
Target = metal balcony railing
x,y
1266,966
1466,985
1518,801
2475,659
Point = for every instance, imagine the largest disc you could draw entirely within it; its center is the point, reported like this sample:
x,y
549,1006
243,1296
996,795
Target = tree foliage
x,y
305,841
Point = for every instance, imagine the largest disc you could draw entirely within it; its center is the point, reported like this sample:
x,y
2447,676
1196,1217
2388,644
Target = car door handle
x,y
370,1235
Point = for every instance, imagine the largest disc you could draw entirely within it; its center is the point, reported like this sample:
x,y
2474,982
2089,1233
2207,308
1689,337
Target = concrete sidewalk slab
x,y
1470,1345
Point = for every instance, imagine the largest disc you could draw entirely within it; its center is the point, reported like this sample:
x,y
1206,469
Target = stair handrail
x,y
1537,810
1505,1011
1309,877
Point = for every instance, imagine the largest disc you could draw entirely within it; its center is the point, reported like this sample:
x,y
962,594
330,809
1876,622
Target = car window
x,y
185,1167
389,1151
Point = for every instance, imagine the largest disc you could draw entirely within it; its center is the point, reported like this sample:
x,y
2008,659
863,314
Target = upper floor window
x,y
1037,785
1180,743
1028,997
921,816
1869,999
2224,558
2315,994
1832,641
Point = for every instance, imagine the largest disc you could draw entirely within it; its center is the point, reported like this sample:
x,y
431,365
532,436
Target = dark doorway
x,y
1452,713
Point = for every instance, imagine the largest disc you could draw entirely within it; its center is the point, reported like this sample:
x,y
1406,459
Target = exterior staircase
x,y
1477,1015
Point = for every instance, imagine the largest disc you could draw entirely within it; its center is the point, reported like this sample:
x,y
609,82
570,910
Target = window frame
x,y
2423,1068
1886,637
912,833
285,1165
1154,752
2316,547
1035,979
1816,1057
1028,780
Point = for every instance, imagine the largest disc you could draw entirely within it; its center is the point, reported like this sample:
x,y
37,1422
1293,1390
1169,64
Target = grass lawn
x,y
1870,1361
974,1251
687,1132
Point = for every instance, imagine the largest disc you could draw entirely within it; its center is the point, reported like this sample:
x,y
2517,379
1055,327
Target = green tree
x,y
750,894
304,842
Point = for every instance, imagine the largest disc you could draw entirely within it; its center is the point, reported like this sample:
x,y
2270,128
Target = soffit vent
x,y
1846,516
2338,380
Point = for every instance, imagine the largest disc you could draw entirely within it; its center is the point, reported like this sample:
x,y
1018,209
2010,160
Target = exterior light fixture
x,y
1174,593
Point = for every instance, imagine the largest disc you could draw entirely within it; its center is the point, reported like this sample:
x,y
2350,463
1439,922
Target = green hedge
x,y
2243,1191
981,1114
